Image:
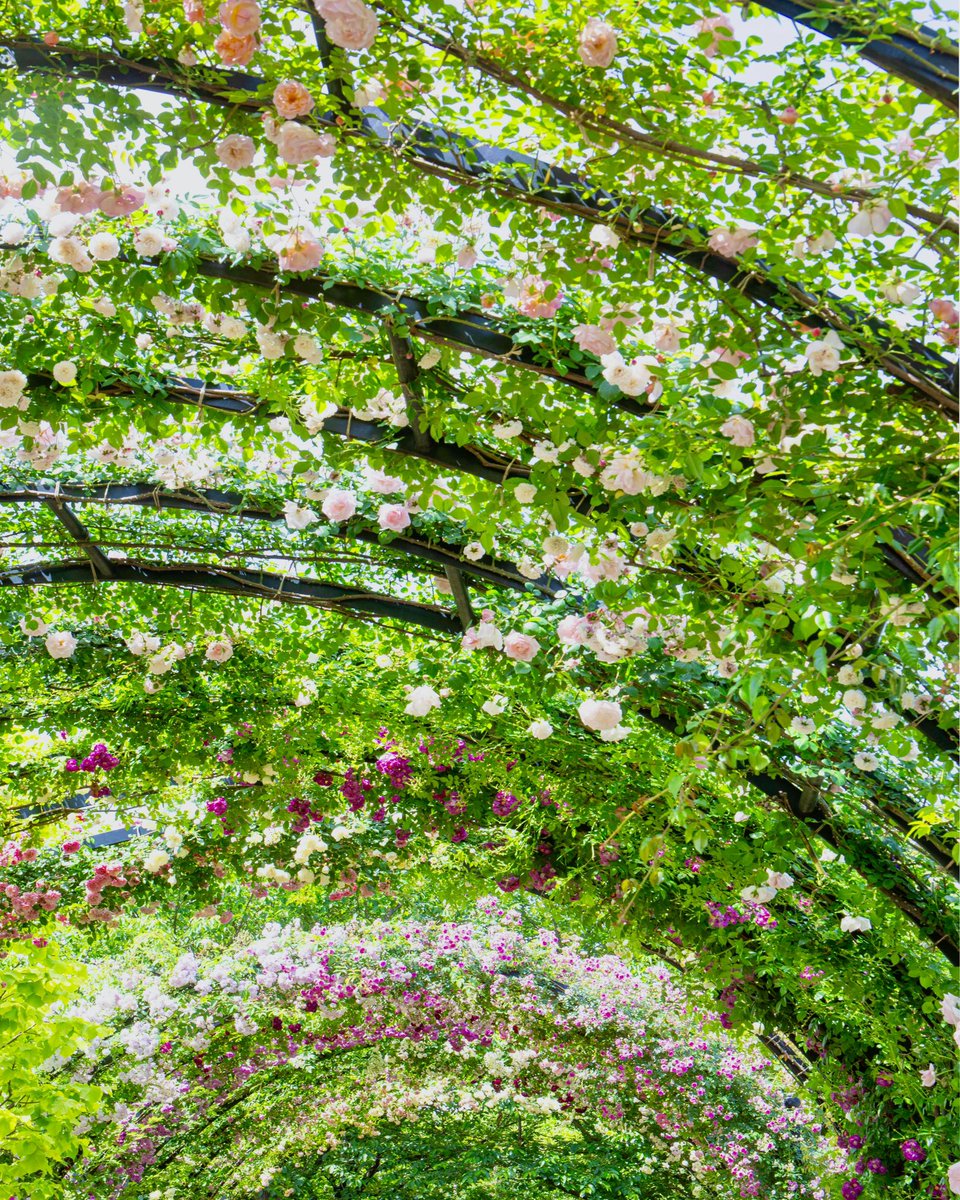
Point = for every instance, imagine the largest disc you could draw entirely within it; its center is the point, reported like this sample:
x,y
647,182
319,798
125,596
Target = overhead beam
x,y
258,585
217,502
913,55
55,502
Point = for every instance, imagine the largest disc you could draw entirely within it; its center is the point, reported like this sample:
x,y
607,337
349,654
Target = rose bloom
x,y
393,517
420,701
722,30
82,199
121,202
600,714
291,99
193,12
573,630
597,44
520,646
148,242
870,220
350,24
540,729
731,242
103,247
300,254
219,651
60,645
739,430
235,51
65,372
297,144
339,505
236,151
594,340
632,379
12,384
239,17
824,354
70,252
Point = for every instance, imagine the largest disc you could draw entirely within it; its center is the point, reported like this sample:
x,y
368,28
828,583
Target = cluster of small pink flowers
x,y
106,875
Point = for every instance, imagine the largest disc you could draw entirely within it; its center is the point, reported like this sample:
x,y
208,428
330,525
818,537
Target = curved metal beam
x,y
259,585
216,502
911,55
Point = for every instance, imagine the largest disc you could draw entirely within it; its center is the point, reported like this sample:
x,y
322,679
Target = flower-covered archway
x,y
453,450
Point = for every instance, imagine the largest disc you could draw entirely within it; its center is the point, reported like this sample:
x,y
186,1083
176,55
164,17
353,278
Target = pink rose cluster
x,y
106,875
533,301
84,198
24,906
237,43
350,24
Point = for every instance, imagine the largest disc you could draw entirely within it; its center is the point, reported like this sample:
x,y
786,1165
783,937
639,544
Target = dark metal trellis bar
x,y
213,501
259,585
909,54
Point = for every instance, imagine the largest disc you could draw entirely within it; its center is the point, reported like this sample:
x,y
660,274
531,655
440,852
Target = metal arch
x,y
215,502
259,585
906,54
925,371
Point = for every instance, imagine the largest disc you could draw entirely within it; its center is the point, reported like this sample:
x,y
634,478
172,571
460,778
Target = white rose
x,y
421,700
540,729
60,645
103,247
823,355
155,861
148,242
65,372
600,714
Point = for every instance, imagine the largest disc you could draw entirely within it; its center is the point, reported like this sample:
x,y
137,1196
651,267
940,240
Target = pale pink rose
x,y
291,99
235,51
487,636
236,151
193,12
739,430
339,505
298,144
823,355
239,17
122,202
573,631
733,241
393,517
300,254
600,714
929,1077
870,220
666,337
220,650
349,23
532,299
722,30
520,646
953,1178
82,199
467,258
945,310
594,340
597,44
